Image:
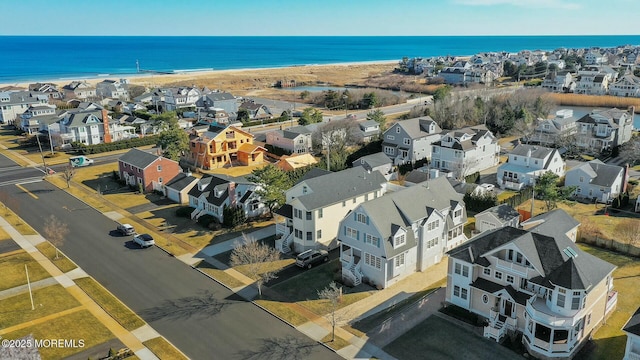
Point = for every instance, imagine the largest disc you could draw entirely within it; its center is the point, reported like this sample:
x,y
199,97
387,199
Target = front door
x,y
507,308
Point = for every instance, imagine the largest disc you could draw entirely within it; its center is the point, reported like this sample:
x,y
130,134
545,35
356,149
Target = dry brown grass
x,y
594,100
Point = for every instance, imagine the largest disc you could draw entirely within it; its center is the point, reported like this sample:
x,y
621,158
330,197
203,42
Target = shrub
x,y
233,216
83,149
473,178
184,211
206,219
480,202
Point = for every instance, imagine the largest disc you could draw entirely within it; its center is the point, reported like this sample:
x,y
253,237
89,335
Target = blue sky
x,y
327,17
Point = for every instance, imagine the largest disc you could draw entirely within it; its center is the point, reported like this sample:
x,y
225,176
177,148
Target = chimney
x,y
105,126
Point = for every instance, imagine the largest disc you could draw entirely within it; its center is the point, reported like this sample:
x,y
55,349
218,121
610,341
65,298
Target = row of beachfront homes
x,y
529,278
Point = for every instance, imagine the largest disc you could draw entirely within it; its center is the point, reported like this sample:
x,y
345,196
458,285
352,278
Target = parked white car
x,y
144,240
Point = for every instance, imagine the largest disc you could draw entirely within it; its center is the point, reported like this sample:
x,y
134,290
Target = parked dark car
x,y
311,257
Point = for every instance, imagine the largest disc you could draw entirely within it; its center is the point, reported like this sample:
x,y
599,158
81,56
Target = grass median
x,y
49,300
163,349
220,275
12,268
62,262
80,325
114,307
13,219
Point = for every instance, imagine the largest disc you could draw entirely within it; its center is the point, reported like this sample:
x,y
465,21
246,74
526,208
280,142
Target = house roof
x,y
250,148
492,288
403,208
298,160
373,160
180,182
417,127
313,173
537,152
601,174
502,212
210,184
633,325
218,96
138,158
548,256
555,223
335,187
416,176
295,131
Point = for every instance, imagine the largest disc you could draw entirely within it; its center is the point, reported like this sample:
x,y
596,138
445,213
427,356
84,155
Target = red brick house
x,y
139,167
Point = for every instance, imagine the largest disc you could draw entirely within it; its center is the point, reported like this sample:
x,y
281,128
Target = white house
x,y
15,103
596,180
113,89
368,130
296,139
465,151
626,86
556,130
497,217
410,140
526,163
386,239
604,129
540,285
213,193
316,204
558,81
91,127
176,97
177,189
632,329
79,90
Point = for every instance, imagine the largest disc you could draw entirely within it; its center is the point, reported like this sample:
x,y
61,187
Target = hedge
x,y
83,149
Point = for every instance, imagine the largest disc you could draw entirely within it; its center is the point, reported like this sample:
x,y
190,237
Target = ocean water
x,y
39,58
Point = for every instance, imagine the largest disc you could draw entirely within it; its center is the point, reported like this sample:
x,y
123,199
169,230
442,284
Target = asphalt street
x,y
202,318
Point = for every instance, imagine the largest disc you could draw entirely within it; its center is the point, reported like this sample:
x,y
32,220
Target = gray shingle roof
x,y
373,160
601,174
180,181
546,254
537,152
633,325
416,127
404,207
336,187
138,158
555,223
503,212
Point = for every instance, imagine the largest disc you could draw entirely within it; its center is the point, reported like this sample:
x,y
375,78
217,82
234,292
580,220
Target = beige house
x,y
317,203
538,283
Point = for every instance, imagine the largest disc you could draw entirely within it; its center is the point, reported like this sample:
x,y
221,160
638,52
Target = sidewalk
x,y
126,337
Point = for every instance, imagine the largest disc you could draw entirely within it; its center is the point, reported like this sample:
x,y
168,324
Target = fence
x,y
609,244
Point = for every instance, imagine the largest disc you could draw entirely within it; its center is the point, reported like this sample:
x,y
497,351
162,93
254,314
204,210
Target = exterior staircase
x,y
195,214
353,272
285,248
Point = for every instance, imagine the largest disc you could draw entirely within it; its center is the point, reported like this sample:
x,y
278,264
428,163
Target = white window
x,y
561,297
159,167
407,141
486,271
160,180
457,213
510,279
461,270
372,261
400,239
400,260
463,293
456,291
498,275
390,137
318,234
398,129
433,225
370,239
575,301
435,150
362,218
352,233
389,150
320,214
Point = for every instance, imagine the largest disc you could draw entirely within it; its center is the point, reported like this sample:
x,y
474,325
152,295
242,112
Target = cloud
x,y
555,4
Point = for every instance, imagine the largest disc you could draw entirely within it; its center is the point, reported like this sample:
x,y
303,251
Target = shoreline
x,y
181,75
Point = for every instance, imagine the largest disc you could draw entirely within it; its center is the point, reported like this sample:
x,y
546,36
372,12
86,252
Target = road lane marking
x,y
27,191
22,181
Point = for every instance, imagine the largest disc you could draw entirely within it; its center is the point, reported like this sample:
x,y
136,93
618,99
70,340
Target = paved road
x,y
202,318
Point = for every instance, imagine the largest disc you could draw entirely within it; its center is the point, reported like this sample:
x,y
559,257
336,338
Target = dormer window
x,y
362,218
399,240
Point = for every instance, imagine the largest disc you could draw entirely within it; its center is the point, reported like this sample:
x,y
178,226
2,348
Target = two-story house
x,y
48,89
526,163
556,130
596,180
79,90
632,329
559,81
465,151
219,100
15,103
91,127
540,285
410,140
113,89
626,86
213,193
137,167
376,162
368,131
384,240
295,139
218,146
604,129
595,80
315,205
256,110
37,118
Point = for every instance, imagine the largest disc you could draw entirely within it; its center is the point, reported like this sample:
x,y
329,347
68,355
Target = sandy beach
x,y
253,81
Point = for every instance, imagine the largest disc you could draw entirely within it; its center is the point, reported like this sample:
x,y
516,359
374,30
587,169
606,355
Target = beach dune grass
x,y
49,300
12,270
79,325
114,307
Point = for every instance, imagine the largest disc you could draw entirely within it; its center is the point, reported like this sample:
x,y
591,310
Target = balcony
x,y
537,308
512,267
283,229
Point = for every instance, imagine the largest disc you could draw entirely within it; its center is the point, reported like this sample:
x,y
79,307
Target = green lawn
x,y
114,307
62,262
77,326
437,339
13,272
610,340
163,349
49,300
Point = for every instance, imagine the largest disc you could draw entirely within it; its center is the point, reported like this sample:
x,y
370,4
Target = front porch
x,y
351,265
499,324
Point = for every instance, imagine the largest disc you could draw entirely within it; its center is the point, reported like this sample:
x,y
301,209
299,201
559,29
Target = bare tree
x,y
257,257
56,231
334,295
68,173
629,230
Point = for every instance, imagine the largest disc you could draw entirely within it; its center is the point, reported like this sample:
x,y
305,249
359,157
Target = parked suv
x,y
126,229
144,240
311,257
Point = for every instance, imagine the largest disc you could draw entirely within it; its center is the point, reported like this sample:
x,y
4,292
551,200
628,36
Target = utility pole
x,y
50,142
41,154
533,194
29,286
